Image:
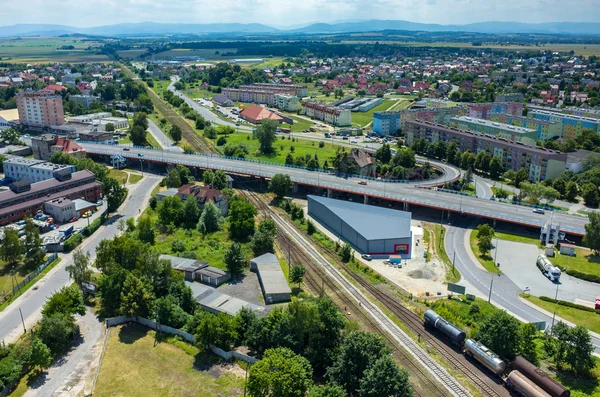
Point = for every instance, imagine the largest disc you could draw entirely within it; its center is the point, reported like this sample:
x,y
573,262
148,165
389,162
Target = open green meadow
x,y
48,49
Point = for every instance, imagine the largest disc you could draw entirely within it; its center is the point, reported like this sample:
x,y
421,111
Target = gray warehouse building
x,y
272,280
371,230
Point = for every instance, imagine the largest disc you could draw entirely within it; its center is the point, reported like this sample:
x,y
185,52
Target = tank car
x,y
456,335
519,383
540,378
485,356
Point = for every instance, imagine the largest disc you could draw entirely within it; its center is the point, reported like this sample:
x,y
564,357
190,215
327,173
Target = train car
x,y
457,336
540,378
519,383
485,356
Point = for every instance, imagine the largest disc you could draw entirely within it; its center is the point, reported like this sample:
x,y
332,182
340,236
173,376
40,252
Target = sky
x,y
85,13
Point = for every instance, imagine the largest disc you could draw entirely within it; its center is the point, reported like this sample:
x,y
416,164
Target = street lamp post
x,y
496,250
491,288
555,306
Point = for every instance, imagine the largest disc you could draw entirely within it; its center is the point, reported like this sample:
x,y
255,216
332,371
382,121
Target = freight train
x,y
525,379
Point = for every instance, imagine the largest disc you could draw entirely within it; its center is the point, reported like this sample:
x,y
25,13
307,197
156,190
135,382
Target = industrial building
x,y
371,230
61,209
540,163
272,280
32,170
196,270
546,129
507,131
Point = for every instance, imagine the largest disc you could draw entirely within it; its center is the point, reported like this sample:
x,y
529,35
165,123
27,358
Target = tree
x,y
218,330
262,242
68,300
235,261
589,192
208,176
404,157
10,135
310,228
79,270
496,168
32,245
191,212
219,180
280,184
280,373
140,119
520,176
136,298
175,133
266,135
210,132
40,354
358,351
485,230
56,331
384,154
528,348
170,313
580,350
592,232
110,127
346,253
385,378
145,229
500,332
241,219
110,288
327,390
209,220
137,134
485,245
11,248
170,211
114,193
297,274
571,191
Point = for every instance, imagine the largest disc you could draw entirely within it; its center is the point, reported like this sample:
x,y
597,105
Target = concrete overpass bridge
x,y
406,193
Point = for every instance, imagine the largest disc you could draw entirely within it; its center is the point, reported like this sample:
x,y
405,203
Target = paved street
x,y
163,140
32,301
505,292
396,191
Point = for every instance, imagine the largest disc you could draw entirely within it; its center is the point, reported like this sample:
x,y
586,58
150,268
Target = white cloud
x,y
289,12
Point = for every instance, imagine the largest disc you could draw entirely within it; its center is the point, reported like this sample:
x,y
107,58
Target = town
x,y
370,210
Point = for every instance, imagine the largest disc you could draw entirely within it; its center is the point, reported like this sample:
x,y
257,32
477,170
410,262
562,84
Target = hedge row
x,y
570,304
73,242
89,230
584,276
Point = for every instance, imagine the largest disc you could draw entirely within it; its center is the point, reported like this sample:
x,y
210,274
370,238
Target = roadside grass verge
x,y
452,274
584,261
486,260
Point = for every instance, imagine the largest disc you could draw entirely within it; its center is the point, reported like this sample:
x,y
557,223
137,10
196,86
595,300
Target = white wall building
x,y
19,168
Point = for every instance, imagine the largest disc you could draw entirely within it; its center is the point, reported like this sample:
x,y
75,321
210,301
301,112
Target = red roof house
x,y
255,114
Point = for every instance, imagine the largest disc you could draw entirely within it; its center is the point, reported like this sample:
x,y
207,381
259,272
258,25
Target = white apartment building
x,y
32,170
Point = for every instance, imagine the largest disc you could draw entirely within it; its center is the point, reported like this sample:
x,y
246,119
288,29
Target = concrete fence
x,y
110,322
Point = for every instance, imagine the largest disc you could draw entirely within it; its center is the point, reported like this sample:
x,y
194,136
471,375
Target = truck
x,y
67,232
543,263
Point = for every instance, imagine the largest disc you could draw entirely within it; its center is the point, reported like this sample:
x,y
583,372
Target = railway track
x,y
409,353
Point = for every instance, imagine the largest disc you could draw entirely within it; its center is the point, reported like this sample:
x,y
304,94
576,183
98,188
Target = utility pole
x,y
22,321
555,306
496,251
453,259
491,287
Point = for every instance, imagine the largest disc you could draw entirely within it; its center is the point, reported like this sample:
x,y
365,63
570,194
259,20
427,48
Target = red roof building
x,y
255,114
55,87
204,194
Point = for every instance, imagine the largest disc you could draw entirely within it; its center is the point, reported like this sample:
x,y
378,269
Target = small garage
x,y
272,280
567,249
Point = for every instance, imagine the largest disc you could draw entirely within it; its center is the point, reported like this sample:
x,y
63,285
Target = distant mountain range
x,y
584,28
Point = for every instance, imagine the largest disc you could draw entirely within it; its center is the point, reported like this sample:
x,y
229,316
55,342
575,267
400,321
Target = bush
x,y
570,304
89,230
584,276
221,141
73,242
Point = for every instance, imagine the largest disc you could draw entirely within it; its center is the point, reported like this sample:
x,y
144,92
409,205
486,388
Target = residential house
x,y
204,194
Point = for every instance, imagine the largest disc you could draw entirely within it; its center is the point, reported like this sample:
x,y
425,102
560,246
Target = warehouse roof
x,y
271,275
373,223
184,264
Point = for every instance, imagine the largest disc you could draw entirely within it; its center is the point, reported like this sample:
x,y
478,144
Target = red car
x,y
362,182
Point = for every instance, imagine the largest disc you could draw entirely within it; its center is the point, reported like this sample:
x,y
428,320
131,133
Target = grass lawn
x,y
516,238
452,276
469,188
300,124
151,141
135,178
364,118
584,261
462,314
580,317
502,192
119,175
125,140
282,148
134,365
486,261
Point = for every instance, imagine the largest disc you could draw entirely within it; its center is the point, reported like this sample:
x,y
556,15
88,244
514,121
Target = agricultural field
x,y
206,53
46,50
136,364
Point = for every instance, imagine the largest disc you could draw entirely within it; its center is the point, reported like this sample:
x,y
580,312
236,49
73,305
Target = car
x,y
345,138
140,154
362,182
354,141
366,257
237,124
99,202
539,211
126,149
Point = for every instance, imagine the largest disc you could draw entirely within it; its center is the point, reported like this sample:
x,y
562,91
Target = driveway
x,y
71,374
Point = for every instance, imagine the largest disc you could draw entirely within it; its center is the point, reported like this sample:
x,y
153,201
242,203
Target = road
x,y
31,302
505,293
394,191
163,140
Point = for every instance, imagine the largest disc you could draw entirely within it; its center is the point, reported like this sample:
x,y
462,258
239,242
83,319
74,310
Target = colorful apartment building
x,y
488,109
540,163
510,132
327,113
289,103
546,129
389,123
572,125
300,91
263,93
40,108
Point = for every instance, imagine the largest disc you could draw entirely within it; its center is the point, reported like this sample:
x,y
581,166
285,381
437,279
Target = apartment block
x,y
40,108
263,93
32,170
546,129
511,97
327,113
539,163
487,110
389,123
300,91
289,103
572,126
510,132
